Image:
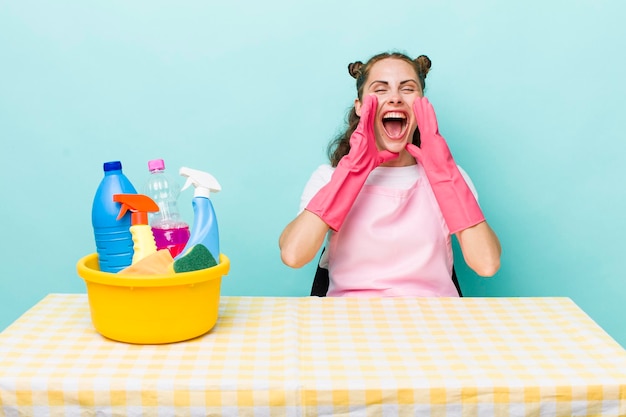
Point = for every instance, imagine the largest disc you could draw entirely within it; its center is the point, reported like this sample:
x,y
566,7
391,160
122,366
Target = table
x,y
322,356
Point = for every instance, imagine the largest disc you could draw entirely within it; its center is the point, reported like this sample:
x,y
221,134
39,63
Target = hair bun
x,y
423,64
355,69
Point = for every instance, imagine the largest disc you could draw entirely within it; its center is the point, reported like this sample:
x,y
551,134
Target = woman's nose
x,y
395,97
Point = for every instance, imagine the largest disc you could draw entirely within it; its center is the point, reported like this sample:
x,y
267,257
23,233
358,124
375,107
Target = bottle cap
x,y
156,164
112,166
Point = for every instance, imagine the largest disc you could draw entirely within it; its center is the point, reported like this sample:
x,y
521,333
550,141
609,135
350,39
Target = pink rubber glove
x,y
456,201
333,202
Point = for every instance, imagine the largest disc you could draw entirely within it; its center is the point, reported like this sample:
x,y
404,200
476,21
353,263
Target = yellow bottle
x,y
139,206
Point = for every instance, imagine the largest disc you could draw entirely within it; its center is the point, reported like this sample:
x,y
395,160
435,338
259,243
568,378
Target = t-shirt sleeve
x,y
319,178
469,182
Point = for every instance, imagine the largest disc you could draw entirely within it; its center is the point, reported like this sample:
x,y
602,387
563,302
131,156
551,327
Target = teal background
x,y
530,96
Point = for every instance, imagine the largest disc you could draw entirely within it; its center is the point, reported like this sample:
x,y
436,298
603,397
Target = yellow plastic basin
x,y
154,309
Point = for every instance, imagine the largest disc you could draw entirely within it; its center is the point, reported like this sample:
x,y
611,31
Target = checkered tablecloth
x,y
322,356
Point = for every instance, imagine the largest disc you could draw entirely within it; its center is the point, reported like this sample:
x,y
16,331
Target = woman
x,y
392,196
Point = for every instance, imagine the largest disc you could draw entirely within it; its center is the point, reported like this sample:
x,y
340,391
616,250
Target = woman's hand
x,y
433,152
364,155
333,202
456,201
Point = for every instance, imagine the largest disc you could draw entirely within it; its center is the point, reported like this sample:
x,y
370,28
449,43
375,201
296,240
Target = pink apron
x,y
394,242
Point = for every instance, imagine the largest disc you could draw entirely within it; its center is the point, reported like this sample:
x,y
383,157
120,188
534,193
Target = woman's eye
x,y
380,90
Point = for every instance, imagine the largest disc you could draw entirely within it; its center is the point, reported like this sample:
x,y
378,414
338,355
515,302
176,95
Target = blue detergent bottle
x,y
114,242
204,230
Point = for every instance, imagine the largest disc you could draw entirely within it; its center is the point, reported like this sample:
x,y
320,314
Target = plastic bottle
x,y
170,232
205,229
139,205
114,242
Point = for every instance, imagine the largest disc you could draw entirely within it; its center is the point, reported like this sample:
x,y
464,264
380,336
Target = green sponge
x,y
198,257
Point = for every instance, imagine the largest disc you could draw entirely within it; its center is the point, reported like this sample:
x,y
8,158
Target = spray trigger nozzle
x,y
138,204
204,182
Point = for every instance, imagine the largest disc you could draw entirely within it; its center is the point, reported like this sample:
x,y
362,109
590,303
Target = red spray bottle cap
x,y
139,206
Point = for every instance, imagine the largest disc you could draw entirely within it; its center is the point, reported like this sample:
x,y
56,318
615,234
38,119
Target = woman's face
x,y
396,85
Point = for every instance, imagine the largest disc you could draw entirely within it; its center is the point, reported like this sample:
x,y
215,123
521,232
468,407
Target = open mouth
x,y
395,124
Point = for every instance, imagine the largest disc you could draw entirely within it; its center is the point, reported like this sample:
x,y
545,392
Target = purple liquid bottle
x,y
169,231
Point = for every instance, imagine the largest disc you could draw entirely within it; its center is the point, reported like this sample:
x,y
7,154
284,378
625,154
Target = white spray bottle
x,y
204,230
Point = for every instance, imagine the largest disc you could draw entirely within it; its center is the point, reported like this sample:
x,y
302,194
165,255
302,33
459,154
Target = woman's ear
x,y
357,107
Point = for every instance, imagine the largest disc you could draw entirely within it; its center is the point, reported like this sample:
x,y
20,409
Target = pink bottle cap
x,y
156,164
